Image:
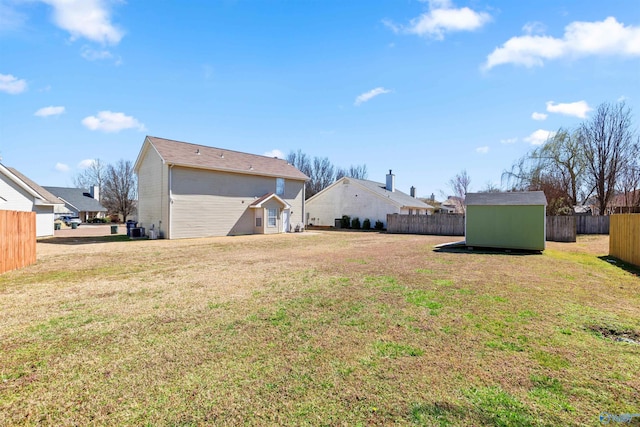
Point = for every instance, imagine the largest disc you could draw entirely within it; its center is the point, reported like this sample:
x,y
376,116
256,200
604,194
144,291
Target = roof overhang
x,y
267,197
20,183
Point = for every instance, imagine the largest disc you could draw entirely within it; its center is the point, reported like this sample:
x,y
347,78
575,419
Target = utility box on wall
x,y
515,220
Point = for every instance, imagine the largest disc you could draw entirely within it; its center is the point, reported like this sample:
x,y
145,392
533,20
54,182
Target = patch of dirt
x,y
616,334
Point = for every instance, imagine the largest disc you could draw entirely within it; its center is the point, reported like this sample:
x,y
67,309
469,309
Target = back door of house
x,y
285,221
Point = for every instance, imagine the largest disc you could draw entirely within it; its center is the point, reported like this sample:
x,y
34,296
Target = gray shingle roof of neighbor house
x,y
46,195
77,199
515,198
204,157
403,199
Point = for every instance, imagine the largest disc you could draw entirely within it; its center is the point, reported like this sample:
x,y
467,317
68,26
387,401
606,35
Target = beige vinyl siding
x,y
153,193
212,203
294,195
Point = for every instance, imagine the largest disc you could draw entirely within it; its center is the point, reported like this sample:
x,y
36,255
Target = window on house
x,y
271,217
279,186
258,222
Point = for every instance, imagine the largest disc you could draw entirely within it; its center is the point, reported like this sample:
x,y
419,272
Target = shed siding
x,y
514,227
213,203
153,196
348,199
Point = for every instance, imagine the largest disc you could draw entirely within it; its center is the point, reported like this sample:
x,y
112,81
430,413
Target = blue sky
x,y
426,88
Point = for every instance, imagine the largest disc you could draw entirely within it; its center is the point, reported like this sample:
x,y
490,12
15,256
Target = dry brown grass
x,y
323,328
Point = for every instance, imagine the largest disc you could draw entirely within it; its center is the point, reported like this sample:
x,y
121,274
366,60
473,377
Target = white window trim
x,y
270,217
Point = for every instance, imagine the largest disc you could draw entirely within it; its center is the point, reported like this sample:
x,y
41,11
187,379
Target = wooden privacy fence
x,y
592,224
443,225
624,238
17,240
561,228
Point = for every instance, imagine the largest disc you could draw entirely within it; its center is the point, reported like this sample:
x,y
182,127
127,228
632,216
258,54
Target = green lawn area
x,y
321,329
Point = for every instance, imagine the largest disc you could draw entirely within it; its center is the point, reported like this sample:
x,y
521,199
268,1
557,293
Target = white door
x,y
285,221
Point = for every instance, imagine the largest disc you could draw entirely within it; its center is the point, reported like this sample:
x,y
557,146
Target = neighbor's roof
x,y
78,199
220,159
45,195
397,197
515,198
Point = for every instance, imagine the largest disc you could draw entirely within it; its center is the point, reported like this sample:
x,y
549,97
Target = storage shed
x,y
513,220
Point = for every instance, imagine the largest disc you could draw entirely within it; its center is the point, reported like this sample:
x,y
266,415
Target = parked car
x,y
68,220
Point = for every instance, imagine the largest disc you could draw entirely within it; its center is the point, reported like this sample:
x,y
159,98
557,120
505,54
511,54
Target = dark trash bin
x,y
56,226
114,229
74,225
130,224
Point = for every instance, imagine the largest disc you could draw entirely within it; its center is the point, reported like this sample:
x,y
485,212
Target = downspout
x,y
304,214
170,230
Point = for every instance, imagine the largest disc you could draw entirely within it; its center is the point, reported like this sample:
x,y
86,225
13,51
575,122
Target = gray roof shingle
x,y
212,158
515,198
403,199
76,198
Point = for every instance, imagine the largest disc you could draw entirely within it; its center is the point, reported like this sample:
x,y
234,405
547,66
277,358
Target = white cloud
x,y
575,109
11,84
482,150
442,18
608,37
95,55
108,121
61,167
539,137
367,96
49,111
534,28
86,163
89,19
274,153
539,116
10,19
509,141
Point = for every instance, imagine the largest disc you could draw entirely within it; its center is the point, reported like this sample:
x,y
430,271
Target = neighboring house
x,y
628,202
452,205
515,220
79,202
19,193
188,190
363,199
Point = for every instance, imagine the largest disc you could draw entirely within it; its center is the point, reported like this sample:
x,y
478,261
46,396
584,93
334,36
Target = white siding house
x,y
19,193
187,190
363,199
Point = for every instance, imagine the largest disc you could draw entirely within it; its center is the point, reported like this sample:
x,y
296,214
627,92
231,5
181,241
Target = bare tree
x,y
120,189
357,172
322,174
490,187
460,185
629,182
558,168
93,175
301,161
607,141
321,171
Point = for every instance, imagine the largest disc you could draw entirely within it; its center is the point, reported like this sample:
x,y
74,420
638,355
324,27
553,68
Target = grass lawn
x,y
322,328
